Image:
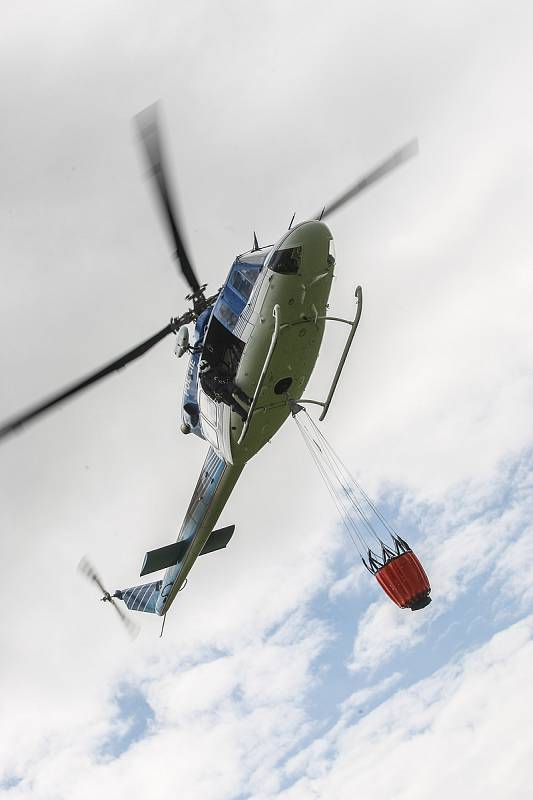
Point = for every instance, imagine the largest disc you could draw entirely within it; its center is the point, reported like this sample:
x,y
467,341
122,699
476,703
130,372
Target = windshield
x,y
243,279
245,272
255,257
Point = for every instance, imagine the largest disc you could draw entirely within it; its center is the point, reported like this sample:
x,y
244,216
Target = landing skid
x,y
353,325
278,327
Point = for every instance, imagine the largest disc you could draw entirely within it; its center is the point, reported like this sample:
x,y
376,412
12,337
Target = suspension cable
x,y
342,512
354,505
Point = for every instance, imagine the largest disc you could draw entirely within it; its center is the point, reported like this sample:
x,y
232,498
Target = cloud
x,y
453,733
214,726
364,695
267,110
242,700
472,534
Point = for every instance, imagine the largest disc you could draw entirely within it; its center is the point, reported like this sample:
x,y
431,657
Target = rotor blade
x,y
131,626
86,568
21,419
399,157
149,131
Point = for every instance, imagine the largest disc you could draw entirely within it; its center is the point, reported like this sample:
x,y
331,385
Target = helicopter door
x,y
215,419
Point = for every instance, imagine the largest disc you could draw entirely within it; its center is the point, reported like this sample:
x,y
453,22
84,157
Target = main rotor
x,y
148,126
150,136
151,141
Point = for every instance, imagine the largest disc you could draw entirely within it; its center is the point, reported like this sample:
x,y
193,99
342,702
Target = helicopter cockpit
x,y
223,345
237,291
218,345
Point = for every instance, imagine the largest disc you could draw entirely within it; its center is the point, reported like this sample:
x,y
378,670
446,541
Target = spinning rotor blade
x,y
131,626
86,568
151,139
21,419
399,157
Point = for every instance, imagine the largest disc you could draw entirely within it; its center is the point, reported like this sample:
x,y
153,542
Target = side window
x,y
208,407
331,253
227,316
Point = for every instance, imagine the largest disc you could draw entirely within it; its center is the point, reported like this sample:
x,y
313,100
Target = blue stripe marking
x,y
208,482
151,597
143,597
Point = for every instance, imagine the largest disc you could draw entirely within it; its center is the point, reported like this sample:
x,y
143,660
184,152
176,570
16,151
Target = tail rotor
x,y
87,569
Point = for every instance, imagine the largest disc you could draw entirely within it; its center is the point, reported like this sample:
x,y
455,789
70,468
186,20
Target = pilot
x,y
220,386
193,412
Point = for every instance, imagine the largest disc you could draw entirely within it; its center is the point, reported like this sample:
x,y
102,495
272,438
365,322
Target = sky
x,y
283,673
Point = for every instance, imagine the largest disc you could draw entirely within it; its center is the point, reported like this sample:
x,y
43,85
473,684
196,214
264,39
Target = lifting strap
x,y
366,525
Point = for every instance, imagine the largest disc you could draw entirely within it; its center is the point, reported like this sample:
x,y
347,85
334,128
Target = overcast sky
x,y
283,671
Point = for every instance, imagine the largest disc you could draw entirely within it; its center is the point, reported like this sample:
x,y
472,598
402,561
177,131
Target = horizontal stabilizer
x,y
218,540
172,554
164,557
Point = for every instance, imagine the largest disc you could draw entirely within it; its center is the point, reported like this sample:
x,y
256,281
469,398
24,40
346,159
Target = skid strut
x,y
275,334
353,325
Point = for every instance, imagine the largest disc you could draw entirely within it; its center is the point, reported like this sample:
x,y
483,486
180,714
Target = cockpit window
x,y
255,257
243,280
287,262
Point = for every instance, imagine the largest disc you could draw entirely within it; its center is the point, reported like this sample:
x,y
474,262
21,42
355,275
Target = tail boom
x,y
214,486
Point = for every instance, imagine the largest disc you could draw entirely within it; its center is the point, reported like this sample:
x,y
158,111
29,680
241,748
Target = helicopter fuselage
x,y
269,350
294,278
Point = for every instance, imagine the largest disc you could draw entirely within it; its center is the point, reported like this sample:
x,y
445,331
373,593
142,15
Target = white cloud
x,y
268,110
246,710
217,726
354,581
473,533
451,734
513,575
364,695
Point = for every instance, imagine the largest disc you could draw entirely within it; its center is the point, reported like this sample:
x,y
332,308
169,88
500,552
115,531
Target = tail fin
x,y
141,598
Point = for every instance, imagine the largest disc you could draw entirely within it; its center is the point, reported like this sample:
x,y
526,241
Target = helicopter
x,y
252,351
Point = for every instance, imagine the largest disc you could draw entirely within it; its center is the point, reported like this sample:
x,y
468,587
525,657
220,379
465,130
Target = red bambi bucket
x,y
404,580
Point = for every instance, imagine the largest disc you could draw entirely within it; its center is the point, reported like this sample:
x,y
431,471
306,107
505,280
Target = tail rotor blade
x,y
148,127
395,160
87,569
131,626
